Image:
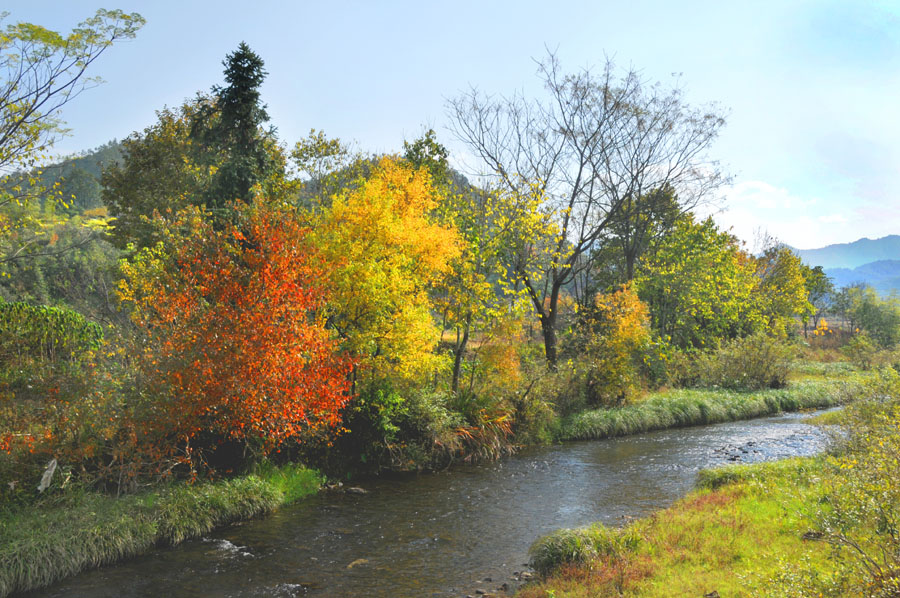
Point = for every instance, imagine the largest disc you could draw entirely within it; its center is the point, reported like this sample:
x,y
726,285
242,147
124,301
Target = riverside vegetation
x,y
821,526
180,334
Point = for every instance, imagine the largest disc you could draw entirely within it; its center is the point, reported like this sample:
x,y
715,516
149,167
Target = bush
x,y
681,369
861,351
614,338
859,512
751,363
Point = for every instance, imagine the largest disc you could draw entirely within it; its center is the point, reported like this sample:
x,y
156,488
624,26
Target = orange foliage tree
x,y
233,335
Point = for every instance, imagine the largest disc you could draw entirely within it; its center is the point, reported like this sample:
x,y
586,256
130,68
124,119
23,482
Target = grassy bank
x,y
691,407
63,535
739,534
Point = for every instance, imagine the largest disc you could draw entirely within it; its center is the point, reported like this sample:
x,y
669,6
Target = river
x,y
443,534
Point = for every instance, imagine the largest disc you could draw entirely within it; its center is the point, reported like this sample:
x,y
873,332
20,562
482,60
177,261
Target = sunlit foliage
x,y
235,345
699,285
387,251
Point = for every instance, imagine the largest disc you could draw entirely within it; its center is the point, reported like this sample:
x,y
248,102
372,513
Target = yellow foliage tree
x,y
617,332
387,251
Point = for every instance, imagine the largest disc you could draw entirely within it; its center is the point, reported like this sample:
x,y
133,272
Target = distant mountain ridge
x,y
875,262
853,255
883,275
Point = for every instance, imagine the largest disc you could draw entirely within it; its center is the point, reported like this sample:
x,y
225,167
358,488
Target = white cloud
x,y
755,208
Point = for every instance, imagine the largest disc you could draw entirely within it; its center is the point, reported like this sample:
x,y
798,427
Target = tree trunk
x,y
458,357
548,327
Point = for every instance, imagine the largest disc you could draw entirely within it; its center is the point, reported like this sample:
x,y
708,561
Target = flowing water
x,y
443,534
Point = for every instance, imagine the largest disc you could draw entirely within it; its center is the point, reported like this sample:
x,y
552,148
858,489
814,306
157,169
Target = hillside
x,y
76,178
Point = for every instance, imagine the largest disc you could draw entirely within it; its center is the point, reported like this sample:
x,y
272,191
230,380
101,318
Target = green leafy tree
x,y
209,152
40,72
820,293
877,317
700,285
159,176
428,153
326,167
782,292
638,223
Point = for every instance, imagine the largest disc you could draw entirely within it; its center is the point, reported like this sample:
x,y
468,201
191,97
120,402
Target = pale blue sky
x,y
812,87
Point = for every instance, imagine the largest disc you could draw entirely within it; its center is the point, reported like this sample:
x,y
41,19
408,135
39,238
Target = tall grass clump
x,y
578,546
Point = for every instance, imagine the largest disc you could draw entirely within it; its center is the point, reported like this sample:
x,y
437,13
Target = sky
x,y
811,89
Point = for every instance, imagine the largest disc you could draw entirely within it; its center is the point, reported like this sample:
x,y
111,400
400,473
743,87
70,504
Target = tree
x,y
700,286
230,323
327,167
159,176
41,71
476,295
597,142
231,129
877,317
387,252
820,293
638,223
782,290
613,336
427,152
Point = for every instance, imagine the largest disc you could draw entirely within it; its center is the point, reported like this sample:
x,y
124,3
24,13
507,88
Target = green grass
x,y
805,369
43,543
834,417
690,407
736,534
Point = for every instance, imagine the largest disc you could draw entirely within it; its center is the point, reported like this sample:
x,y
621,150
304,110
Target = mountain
x,y
883,275
75,178
853,255
78,176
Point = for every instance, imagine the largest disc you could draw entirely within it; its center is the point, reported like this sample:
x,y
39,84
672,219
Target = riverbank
x,y
693,407
824,526
61,536
739,534
73,531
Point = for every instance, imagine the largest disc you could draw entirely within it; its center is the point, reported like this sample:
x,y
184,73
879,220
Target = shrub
x,y
859,512
614,336
751,363
861,351
233,343
681,369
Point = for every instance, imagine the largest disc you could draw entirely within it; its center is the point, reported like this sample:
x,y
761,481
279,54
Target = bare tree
x,y
596,144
